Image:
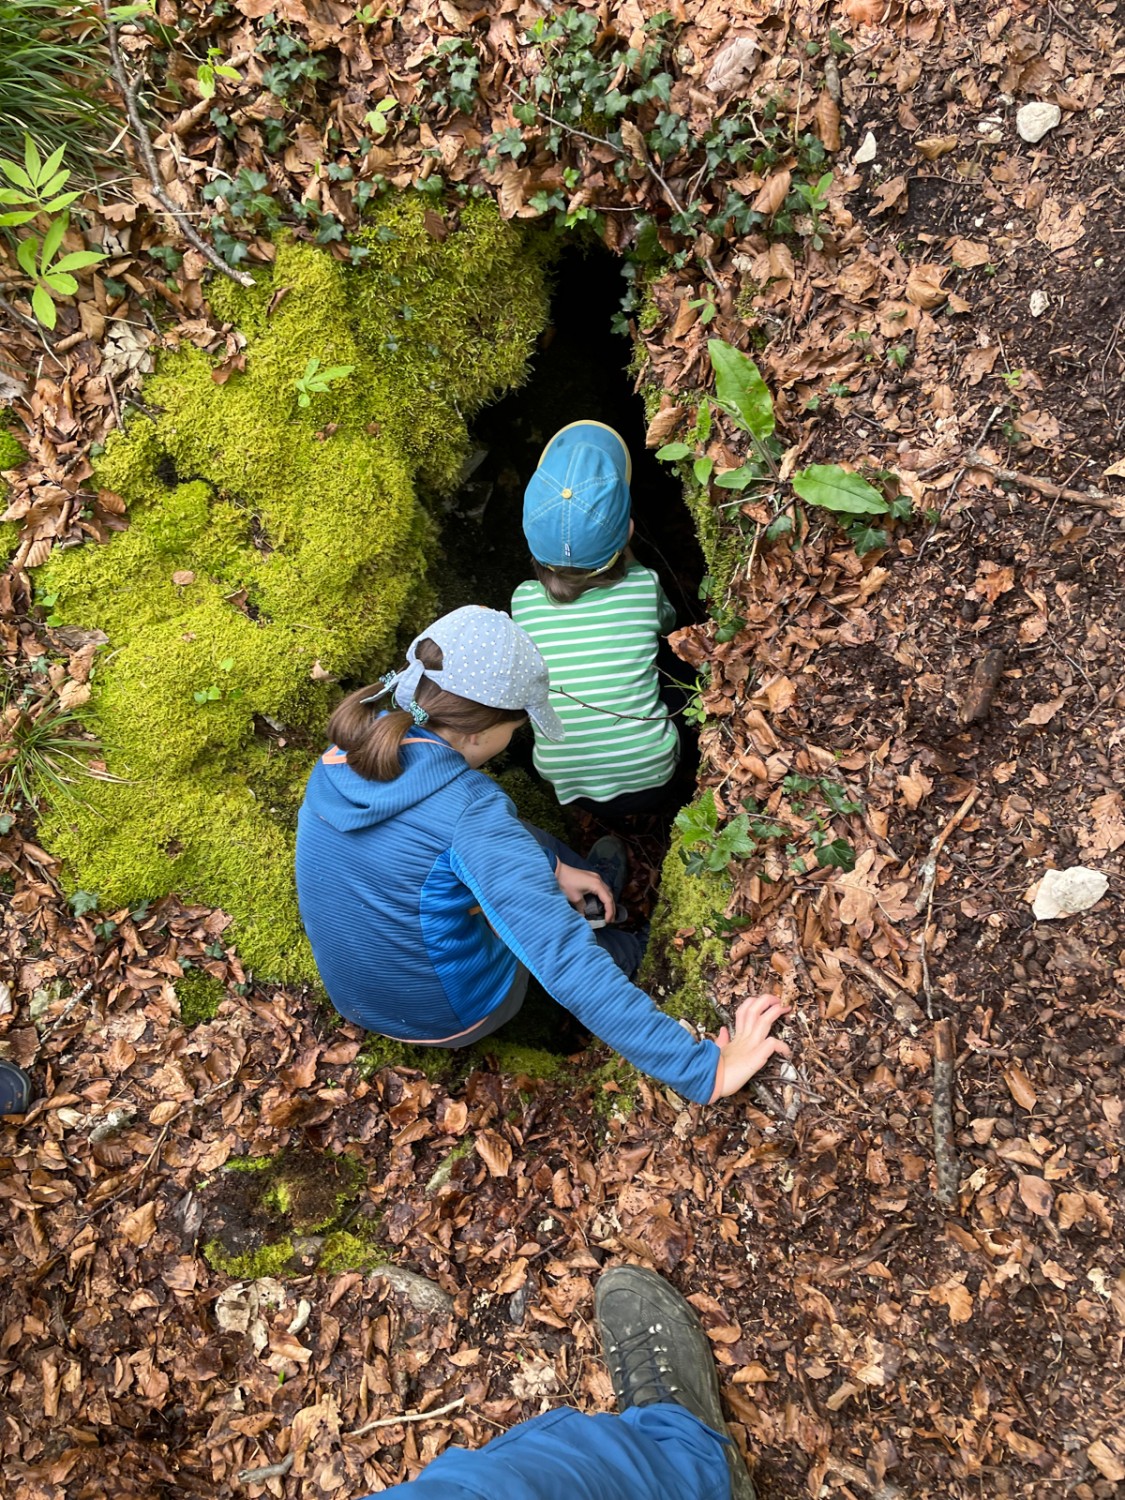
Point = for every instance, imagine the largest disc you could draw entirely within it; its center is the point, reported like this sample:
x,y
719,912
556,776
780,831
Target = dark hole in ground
x,y
581,370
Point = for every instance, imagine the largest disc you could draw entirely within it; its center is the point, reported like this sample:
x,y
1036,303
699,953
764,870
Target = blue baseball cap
x,y
576,505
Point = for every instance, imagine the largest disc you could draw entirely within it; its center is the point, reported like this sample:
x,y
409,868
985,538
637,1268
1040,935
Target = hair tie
x,y
417,712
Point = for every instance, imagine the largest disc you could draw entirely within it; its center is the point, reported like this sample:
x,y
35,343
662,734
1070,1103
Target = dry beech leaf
x,y
773,192
936,145
1019,1086
495,1152
663,425
915,787
1072,1209
139,1226
924,286
826,117
1037,1194
634,141
733,64
1043,713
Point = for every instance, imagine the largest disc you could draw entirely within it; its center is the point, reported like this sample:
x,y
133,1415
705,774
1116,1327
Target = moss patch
x,y
200,996
347,1251
269,542
681,954
266,1260
12,451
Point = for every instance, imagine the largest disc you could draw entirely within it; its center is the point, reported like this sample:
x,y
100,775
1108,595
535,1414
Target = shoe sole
x,y
668,1303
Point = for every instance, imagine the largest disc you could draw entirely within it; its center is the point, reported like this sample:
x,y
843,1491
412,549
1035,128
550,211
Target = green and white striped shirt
x,y
602,649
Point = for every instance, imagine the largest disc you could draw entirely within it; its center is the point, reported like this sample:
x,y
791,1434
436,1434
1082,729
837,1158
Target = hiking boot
x,y
611,861
15,1089
657,1351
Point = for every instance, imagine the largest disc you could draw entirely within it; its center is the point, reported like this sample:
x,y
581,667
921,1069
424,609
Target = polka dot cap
x,y
487,658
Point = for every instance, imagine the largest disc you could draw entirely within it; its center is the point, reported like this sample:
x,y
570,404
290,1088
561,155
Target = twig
x,y
926,899
407,1416
129,89
271,1471
858,1262
945,1152
1114,504
74,1000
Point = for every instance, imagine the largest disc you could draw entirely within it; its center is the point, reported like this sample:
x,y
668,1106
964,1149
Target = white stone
x,y
1033,121
1038,303
866,150
1063,892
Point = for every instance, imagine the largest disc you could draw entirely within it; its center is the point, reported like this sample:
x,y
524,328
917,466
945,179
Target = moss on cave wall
x,y
684,950
270,544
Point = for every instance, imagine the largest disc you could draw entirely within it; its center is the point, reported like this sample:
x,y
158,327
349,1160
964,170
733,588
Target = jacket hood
x,y
346,800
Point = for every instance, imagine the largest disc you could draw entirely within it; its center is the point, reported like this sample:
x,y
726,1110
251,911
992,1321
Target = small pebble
x,y
1033,121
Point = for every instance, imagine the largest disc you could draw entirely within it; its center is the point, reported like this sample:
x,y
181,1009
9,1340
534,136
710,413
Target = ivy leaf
x,y
834,488
740,389
672,451
868,539
781,525
82,902
838,855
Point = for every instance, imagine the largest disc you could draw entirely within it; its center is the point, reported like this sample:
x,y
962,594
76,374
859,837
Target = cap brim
x,y
546,720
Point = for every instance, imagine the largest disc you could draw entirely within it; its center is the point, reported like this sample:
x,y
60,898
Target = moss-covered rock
x,y
270,544
684,949
200,996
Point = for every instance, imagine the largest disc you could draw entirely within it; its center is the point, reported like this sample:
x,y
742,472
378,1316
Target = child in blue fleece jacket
x,y
427,902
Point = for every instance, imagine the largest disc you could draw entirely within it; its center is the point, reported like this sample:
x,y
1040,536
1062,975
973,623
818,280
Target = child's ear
x,y
630,536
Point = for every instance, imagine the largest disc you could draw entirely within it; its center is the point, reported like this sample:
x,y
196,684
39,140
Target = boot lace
x,y
641,1368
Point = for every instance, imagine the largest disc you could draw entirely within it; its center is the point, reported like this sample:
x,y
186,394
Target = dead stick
x,y
945,1152
129,89
1114,504
271,1471
926,899
407,1416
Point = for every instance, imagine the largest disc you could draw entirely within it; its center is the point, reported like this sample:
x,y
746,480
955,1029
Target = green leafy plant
x,y
51,274
743,397
37,187
376,119
706,846
43,749
317,382
214,694
209,71
83,902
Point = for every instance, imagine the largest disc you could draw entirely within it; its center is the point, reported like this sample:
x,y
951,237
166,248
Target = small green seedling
x,y
317,382
376,119
209,71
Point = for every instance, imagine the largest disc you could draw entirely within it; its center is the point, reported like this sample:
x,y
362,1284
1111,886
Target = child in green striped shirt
x,y
596,615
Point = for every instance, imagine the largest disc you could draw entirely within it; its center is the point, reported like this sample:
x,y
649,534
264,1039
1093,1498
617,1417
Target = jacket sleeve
x,y
504,868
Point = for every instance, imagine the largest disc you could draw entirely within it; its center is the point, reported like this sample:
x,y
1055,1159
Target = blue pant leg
x,y
556,847
652,1453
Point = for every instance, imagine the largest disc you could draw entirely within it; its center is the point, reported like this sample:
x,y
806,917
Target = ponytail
x,y
370,736
370,739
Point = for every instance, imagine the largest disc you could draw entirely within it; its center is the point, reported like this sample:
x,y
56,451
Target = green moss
x,y
621,1096
678,969
267,1260
384,1052
9,536
12,451
303,548
534,799
248,1163
345,1251
200,996
530,1062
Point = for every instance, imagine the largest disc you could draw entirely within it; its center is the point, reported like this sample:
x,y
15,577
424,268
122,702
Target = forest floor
x,y
966,680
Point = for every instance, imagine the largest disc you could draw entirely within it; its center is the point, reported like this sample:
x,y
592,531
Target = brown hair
x,y
371,738
565,585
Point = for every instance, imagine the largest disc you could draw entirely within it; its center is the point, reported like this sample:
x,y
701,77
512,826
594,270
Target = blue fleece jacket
x,y
419,895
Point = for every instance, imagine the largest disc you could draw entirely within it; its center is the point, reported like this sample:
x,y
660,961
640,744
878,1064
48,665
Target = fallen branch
x,y
407,1416
1114,504
982,687
270,1471
926,899
129,89
859,1262
945,1152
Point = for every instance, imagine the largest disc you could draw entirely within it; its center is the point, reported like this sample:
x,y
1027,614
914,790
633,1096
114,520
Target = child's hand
x,y
576,885
751,1047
